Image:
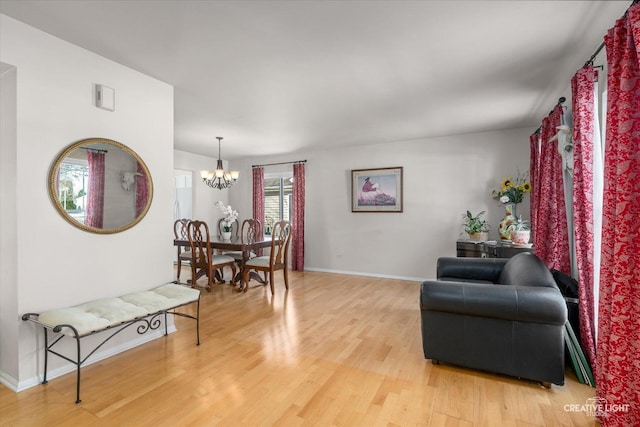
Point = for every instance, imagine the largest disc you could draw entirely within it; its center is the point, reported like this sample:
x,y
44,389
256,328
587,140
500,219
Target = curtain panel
x,y
584,116
534,171
618,345
95,197
297,244
258,198
550,233
142,189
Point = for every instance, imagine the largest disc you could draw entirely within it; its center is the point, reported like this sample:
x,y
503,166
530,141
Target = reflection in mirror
x,y
100,185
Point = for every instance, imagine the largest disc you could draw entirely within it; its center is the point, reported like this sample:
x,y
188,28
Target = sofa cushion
x,y
515,303
526,269
484,270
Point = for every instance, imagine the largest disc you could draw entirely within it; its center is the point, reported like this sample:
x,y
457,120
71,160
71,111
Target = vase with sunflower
x,y
511,193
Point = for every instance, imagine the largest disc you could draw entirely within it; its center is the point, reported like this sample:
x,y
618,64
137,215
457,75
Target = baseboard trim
x,y
7,380
356,273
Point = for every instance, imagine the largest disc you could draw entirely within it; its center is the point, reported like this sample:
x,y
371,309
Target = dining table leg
x,y
201,272
252,274
217,273
246,254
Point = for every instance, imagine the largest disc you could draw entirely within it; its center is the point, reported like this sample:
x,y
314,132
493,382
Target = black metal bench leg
x,y
166,328
78,375
198,323
46,355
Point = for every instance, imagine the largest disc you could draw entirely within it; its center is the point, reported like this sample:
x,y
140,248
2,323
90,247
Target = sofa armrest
x,y
470,269
517,303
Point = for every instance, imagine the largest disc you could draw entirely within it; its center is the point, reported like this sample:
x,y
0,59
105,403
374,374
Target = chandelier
x,y
219,178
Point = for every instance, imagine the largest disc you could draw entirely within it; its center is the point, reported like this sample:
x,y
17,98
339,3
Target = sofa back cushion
x,y
526,269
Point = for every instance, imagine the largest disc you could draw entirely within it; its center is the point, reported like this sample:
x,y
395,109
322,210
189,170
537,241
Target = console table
x,y
469,248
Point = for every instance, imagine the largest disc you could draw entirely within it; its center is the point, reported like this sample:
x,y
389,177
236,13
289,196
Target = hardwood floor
x,y
335,350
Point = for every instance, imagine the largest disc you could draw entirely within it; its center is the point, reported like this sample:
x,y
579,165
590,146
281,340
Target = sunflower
x,y
507,183
526,187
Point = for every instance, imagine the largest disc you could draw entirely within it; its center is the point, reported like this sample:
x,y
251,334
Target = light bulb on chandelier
x,y
219,178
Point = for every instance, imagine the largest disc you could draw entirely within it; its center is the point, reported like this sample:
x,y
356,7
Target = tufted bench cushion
x,y
108,312
162,298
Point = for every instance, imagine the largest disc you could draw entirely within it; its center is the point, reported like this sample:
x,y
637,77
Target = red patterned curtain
x,y
583,96
618,355
142,190
550,233
258,197
95,201
534,171
297,245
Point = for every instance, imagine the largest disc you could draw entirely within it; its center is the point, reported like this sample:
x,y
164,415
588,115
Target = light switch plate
x,y
105,97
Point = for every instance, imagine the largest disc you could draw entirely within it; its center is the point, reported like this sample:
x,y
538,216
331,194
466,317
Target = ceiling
x,y
282,76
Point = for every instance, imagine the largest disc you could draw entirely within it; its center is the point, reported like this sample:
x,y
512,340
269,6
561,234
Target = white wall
x,y
204,197
57,264
8,218
443,177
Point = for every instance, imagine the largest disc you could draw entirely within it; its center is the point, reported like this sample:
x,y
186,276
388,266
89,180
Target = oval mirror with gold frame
x,y
101,186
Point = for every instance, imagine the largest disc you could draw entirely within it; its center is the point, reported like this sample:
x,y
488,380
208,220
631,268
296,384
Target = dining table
x,y
234,243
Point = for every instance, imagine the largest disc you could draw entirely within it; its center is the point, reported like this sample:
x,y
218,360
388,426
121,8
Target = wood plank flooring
x,y
335,350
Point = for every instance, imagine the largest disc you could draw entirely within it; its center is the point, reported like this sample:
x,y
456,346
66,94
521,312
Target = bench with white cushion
x,y
116,314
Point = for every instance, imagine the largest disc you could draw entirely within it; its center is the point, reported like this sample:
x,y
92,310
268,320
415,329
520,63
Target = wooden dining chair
x,y
202,259
249,232
278,258
234,233
181,232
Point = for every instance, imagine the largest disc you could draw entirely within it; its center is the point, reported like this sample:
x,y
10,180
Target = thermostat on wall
x,y
105,97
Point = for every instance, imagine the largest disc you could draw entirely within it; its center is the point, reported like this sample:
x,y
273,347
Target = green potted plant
x,y
520,232
476,227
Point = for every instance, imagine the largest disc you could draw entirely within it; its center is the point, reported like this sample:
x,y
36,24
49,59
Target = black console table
x,y
469,248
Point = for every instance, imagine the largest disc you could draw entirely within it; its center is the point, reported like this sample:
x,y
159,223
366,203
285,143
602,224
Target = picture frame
x,y
376,190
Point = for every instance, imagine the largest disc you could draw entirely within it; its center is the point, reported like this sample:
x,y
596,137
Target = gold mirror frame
x,y
53,185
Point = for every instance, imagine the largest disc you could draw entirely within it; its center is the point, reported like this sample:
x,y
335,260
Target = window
x,y
277,201
73,187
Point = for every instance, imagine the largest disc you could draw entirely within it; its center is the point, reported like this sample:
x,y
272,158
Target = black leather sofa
x,y
505,316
